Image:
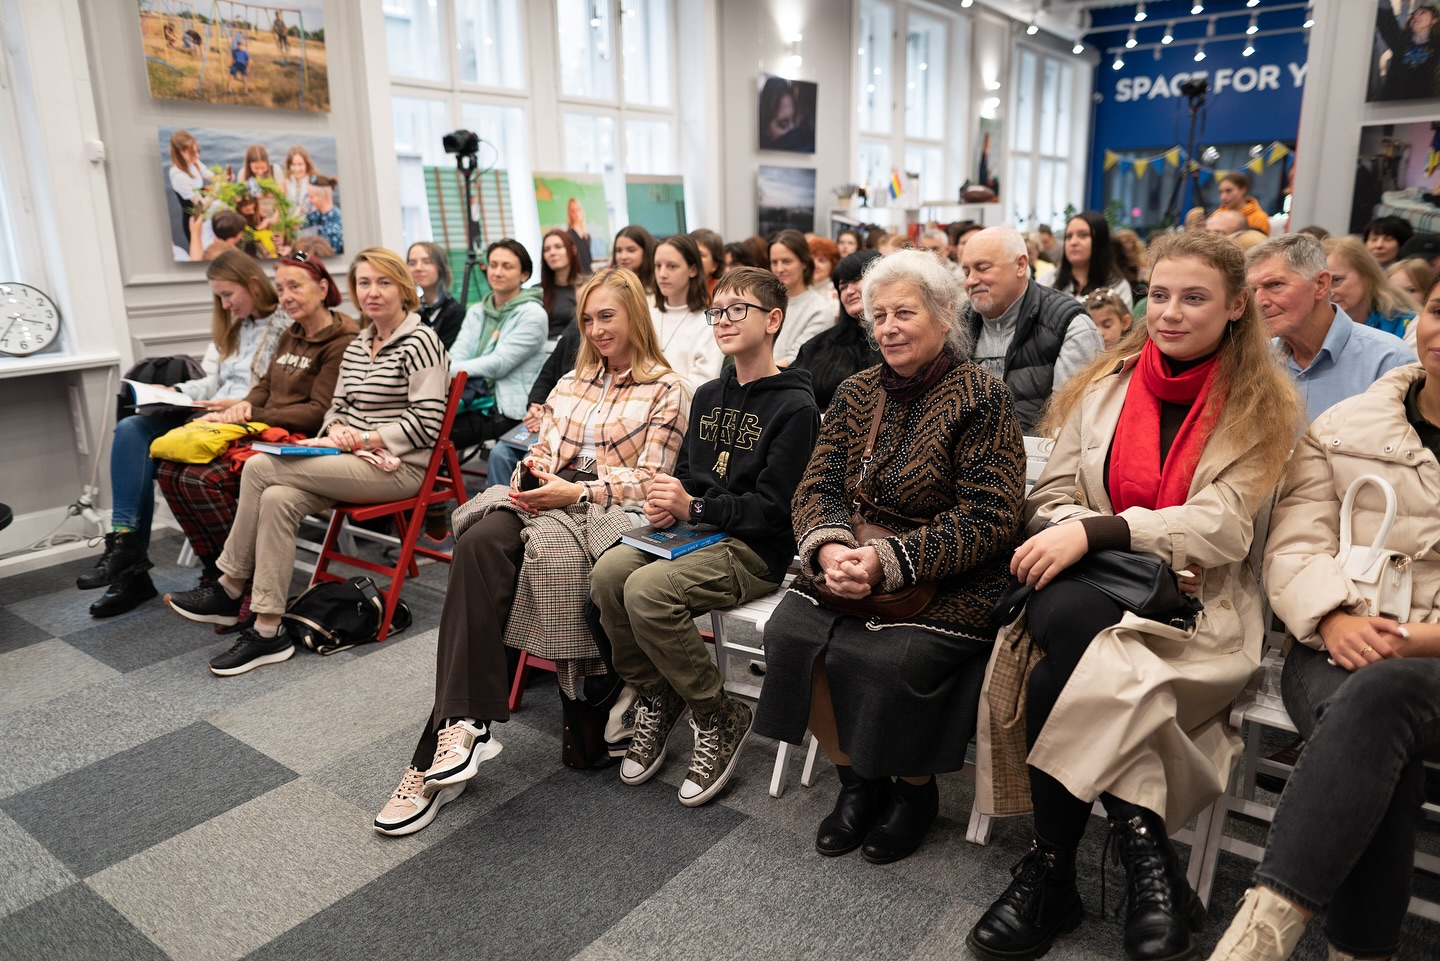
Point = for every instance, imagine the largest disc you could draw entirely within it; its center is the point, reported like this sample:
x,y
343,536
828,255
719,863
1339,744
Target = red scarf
x,y
1137,478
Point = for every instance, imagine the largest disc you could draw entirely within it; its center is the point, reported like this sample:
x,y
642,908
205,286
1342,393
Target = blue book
x,y
673,542
264,447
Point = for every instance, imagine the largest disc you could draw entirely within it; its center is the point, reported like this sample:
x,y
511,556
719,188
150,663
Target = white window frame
x,y
20,258
1070,152
952,143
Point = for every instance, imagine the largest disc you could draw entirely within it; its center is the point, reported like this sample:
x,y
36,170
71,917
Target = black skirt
x,y
905,697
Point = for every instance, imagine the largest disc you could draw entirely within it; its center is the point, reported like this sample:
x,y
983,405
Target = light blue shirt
x,y
1352,358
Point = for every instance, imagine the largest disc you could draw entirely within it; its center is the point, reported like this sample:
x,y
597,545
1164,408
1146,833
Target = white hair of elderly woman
x,y
939,292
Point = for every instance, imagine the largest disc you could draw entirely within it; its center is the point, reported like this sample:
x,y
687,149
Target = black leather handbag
x,y
1140,583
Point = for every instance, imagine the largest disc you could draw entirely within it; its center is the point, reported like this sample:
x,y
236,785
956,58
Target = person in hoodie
x,y
294,393
501,345
752,432
845,349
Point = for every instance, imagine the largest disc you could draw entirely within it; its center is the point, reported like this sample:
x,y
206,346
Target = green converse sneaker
x,y
655,717
718,740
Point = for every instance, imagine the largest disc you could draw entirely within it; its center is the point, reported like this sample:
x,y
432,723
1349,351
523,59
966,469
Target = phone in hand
x,y
528,481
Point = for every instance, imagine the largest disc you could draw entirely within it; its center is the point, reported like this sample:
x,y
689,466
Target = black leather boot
x,y
123,555
1161,912
126,594
1041,904
904,822
859,805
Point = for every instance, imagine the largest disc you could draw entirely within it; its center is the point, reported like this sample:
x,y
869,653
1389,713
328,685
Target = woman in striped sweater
x,y
387,410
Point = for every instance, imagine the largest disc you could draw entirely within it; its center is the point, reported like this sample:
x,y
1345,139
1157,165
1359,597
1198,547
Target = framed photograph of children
x,y
265,193
575,203
1405,55
227,51
787,114
786,198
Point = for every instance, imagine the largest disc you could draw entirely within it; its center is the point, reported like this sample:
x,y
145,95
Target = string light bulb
x,y
1254,27
1032,29
1199,7
1200,51
1078,49
1249,49
1130,40
1119,61
1169,33
1140,12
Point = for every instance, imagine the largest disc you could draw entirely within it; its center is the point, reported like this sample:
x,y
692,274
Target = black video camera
x,y
1194,88
464,143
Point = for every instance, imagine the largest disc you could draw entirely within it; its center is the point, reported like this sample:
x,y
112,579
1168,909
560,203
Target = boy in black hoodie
x,y
751,435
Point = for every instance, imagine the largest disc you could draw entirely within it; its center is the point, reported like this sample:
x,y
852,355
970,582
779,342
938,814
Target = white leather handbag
x,y
1381,576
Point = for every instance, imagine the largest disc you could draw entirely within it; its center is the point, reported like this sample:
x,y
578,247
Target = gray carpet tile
x,y
30,872
147,635
101,814
77,728
540,878
300,723
37,672
73,925
45,580
220,890
16,632
762,892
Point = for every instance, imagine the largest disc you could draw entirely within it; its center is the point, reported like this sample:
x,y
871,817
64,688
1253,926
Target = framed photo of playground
x,y
264,193
233,52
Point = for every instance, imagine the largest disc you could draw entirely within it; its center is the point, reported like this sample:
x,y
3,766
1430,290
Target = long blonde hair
x,y
238,267
1385,297
647,362
1251,395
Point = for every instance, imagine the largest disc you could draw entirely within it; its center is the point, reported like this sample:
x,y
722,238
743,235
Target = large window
x,y
1041,183
902,99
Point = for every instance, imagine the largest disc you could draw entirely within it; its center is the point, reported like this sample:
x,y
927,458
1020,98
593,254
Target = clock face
x,y
29,320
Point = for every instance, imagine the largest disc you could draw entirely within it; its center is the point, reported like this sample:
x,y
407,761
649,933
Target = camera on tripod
x,y
462,143
1195,88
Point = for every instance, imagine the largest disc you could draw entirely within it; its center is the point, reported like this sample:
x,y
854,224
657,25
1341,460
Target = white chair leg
x,y
978,832
1211,857
1198,839
807,775
777,777
187,555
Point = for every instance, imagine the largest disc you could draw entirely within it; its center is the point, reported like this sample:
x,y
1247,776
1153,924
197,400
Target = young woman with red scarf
x,y
1168,445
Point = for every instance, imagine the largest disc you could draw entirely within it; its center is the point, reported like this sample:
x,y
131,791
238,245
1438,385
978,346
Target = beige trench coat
x,y
1367,434
1145,715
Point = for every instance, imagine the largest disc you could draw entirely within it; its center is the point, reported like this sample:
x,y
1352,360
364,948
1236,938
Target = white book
x,y
150,397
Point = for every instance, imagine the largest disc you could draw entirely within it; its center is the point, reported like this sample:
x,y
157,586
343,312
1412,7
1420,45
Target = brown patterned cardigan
x,y
953,460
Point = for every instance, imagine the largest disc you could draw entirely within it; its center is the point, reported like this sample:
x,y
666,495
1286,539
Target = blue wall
x,y
1253,99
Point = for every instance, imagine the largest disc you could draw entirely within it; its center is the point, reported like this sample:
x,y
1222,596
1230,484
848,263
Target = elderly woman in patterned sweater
x,y
898,699
611,425
385,419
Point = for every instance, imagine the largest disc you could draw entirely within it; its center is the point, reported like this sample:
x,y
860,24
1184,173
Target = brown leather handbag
x,y
894,606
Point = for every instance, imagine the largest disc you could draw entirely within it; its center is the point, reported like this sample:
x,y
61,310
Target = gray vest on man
x,y
1040,329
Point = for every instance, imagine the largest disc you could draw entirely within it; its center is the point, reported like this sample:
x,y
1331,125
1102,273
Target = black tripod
x,y
1194,91
466,164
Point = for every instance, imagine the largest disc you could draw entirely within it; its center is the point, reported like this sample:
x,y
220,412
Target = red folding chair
x,y
436,488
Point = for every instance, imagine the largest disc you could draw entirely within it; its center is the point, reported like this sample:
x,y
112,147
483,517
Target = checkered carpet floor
x,y
149,810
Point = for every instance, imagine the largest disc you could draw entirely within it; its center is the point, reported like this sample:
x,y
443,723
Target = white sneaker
x,y
1266,927
410,808
461,749
620,727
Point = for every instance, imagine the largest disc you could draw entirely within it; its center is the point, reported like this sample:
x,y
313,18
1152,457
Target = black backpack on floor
x,y
157,370
335,616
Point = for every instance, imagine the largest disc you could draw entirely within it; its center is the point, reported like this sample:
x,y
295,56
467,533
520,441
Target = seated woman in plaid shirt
x,y
609,427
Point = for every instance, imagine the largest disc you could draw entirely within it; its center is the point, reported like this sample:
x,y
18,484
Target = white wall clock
x,y
29,320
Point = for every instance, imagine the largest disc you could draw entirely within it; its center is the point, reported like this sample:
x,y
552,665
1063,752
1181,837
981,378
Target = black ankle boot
x,y
904,822
859,805
1041,904
1161,912
126,594
123,555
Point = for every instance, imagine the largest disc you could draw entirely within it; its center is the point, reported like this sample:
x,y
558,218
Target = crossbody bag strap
x,y
869,453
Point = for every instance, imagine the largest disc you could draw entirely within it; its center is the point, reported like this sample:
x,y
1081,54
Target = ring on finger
x,y
1366,649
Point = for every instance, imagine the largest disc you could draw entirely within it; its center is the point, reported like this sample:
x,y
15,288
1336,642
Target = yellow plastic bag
x,y
200,442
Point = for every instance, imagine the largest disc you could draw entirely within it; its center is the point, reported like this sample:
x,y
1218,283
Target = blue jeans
x,y
1343,839
132,472
501,464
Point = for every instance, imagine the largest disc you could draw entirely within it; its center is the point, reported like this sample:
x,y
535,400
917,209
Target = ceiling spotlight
x,y
1200,51
1032,29
1198,8
1254,27
1130,40
1309,22
1252,3
1169,33
1079,48
1249,49
1139,13
967,3
1119,62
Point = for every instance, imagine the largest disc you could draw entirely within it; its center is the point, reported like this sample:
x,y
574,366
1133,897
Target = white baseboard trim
x,y
29,528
